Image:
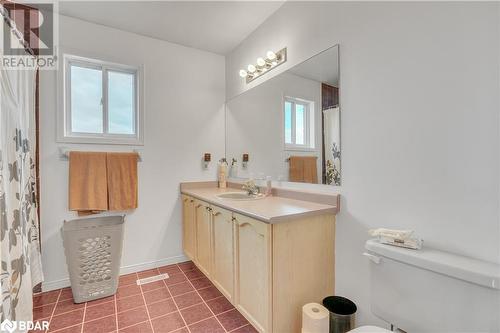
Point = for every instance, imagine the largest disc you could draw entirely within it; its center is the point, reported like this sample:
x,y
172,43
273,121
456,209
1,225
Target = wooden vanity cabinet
x,y
253,270
203,221
223,251
188,227
267,271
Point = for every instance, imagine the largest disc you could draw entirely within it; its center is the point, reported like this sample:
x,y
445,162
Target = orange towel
x,y
303,169
88,190
122,180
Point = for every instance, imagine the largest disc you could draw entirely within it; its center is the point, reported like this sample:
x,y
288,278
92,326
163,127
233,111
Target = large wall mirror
x,y
288,127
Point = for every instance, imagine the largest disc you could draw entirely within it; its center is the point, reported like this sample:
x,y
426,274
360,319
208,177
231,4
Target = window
x,y
101,102
299,123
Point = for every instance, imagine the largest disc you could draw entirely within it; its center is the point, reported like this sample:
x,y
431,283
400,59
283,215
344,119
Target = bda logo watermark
x,y
30,35
8,326
23,326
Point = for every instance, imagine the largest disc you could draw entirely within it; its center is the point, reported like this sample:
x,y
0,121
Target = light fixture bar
x,y
263,65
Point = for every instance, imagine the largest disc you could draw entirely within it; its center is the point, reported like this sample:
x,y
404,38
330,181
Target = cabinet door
x,y
203,236
253,270
188,227
223,251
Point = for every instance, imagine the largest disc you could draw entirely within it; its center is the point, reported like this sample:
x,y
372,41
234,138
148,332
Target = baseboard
x,y
153,264
57,284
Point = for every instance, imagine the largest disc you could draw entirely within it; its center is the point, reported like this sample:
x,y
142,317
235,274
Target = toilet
x,y
431,291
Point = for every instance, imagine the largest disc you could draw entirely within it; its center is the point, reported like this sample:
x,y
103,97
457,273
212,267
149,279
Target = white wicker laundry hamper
x,y
93,248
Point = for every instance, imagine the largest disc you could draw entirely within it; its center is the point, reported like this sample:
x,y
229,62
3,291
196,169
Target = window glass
x,y
288,122
121,107
299,124
86,97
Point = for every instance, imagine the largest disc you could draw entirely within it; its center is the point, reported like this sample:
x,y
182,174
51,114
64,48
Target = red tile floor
x,y
185,302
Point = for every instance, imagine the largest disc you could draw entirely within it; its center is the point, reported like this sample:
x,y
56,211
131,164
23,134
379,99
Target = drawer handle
x,y
216,214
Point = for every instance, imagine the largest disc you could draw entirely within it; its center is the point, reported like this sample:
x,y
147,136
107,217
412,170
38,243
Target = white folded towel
x,y
391,233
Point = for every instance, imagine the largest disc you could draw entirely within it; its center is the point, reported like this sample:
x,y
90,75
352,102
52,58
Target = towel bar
x,y
64,153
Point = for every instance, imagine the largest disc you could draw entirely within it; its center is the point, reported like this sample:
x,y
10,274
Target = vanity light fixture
x,y
263,65
271,55
243,73
251,69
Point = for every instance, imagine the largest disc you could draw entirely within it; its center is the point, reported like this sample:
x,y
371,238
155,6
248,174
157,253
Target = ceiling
x,y
323,67
215,26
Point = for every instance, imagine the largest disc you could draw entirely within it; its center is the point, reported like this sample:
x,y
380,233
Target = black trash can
x,y
342,313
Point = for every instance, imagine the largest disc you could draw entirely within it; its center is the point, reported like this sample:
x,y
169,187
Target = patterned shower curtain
x,y
19,238
331,133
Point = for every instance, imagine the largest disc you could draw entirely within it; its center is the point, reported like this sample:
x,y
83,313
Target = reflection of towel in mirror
x,y
303,169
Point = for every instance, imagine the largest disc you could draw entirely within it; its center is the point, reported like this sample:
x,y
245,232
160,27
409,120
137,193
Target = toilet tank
x,y
433,291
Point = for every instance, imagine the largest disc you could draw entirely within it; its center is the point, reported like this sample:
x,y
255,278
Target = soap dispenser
x,y
222,173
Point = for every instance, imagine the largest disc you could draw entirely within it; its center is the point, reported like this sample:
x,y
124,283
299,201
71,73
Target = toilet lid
x,y
369,329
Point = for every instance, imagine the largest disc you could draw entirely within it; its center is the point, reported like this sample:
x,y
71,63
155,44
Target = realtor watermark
x,y
23,326
29,35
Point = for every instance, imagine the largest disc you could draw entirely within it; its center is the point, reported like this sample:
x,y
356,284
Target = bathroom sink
x,y
240,196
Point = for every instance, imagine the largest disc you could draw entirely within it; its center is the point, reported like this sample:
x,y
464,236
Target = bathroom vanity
x,y
269,256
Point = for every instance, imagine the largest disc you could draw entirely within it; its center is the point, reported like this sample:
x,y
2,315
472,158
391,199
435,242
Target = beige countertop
x,y
272,209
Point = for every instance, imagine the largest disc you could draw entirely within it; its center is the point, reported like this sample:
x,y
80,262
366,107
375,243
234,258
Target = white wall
x,y
184,96
255,125
419,86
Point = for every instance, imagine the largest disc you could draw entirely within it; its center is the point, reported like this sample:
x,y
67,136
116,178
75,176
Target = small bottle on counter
x,y
269,188
222,175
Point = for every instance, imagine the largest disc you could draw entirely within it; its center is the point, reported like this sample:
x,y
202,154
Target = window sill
x,y
308,149
133,141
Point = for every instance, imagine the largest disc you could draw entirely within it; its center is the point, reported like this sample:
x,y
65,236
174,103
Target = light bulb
x,y
271,55
261,62
251,68
243,73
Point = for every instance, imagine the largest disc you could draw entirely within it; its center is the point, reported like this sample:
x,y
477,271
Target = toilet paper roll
x,y
315,318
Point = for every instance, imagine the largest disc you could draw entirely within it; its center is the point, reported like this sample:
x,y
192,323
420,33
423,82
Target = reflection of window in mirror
x,y
299,123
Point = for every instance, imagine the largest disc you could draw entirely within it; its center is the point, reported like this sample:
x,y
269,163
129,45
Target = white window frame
x,y
65,133
308,121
